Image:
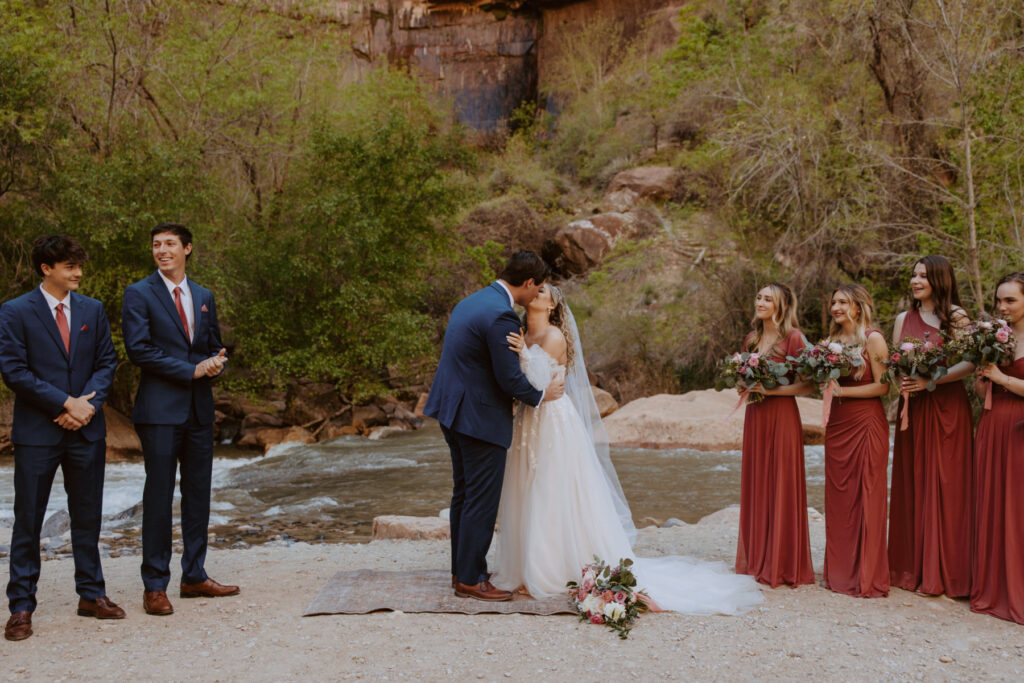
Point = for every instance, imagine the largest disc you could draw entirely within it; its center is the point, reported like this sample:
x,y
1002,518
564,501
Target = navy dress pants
x,y
164,447
478,470
82,463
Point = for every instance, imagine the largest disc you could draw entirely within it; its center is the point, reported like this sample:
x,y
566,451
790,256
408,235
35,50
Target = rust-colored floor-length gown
x,y
998,581
774,544
856,480
930,509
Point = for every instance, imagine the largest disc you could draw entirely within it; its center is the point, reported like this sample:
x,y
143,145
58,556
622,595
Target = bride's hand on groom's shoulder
x,y
516,342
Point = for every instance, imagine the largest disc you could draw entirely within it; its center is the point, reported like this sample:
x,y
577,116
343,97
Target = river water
x,y
332,491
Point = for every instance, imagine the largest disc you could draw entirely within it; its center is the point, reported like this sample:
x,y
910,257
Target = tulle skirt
x,y
556,515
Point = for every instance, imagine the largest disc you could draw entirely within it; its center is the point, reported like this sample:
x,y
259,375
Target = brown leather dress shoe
x,y
156,602
19,626
207,589
101,608
482,591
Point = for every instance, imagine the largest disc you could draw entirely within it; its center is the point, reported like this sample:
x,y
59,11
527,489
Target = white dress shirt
x,y
52,302
186,301
511,300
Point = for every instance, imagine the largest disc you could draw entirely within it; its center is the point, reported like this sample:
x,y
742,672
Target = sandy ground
x,y
806,633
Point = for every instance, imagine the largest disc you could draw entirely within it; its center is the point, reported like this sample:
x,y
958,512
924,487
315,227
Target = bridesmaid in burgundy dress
x,y
930,510
856,456
998,586
774,544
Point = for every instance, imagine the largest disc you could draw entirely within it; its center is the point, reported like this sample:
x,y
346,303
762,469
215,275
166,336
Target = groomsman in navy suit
x,y
171,332
57,358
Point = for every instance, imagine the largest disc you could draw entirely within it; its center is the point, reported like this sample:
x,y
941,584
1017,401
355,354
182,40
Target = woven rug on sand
x,y
370,590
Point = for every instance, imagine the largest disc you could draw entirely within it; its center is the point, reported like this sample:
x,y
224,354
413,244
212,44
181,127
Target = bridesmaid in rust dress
x,y
774,544
856,456
930,513
998,586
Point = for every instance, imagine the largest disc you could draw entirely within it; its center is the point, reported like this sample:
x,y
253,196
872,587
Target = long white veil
x,y
577,388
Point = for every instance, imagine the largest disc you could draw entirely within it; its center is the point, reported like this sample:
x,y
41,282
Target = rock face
x,y
412,528
644,182
583,243
606,403
486,55
122,440
702,420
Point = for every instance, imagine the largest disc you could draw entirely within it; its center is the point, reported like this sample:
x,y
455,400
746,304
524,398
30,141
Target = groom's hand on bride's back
x,y
555,390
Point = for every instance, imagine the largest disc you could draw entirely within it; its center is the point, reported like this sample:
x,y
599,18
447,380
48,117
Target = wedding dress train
x,y
560,507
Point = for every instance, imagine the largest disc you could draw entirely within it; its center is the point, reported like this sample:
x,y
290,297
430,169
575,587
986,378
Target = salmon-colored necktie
x,y
62,326
181,312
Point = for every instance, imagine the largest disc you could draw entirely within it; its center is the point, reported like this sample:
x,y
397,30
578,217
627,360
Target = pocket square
x,y
84,328
204,309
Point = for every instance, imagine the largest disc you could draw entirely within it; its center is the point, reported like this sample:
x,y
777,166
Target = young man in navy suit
x,y
57,358
471,396
171,332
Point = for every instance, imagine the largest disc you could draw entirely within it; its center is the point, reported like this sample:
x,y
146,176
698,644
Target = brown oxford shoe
x,y
156,602
454,580
207,589
482,591
19,626
101,608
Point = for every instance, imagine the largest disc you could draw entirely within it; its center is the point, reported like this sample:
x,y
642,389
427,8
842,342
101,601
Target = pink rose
x,y
588,584
928,346
833,358
1003,335
596,618
581,595
620,597
907,347
753,362
896,358
607,596
744,370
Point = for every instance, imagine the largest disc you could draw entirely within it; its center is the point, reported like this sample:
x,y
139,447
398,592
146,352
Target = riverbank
x,y
807,632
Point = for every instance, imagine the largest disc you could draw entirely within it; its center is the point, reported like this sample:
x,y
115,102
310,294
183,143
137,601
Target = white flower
x,y
835,347
614,611
591,604
985,325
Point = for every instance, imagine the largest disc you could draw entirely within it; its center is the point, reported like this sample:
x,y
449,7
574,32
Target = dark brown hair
x,y
51,249
1017,277
945,295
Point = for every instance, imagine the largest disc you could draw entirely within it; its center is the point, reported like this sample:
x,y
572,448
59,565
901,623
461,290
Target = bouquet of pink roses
x,y
748,369
824,362
916,359
983,342
608,595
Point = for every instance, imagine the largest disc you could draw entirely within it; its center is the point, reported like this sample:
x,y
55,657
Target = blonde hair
x,y
859,295
559,317
784,317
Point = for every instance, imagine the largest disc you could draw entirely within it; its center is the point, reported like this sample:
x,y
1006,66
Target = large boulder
x,y
413,528
310,401
606,403
364,417
645,182
122,440
267,437
583,243
701,420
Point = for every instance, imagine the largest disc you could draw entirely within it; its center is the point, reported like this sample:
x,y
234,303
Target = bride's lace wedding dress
x,y
561,505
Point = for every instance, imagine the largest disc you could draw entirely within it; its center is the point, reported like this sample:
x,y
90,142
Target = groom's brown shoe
x,y
19,626
156,602
101,608
207,589
482,591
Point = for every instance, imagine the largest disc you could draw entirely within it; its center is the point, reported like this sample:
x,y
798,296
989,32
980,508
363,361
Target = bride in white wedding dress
x,y
561,501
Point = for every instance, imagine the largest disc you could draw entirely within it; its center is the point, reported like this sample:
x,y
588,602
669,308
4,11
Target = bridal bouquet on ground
x,y
917,359
608,595
748,369
824,362
984,342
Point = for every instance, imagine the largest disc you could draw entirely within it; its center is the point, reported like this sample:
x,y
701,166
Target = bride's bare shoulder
x,y
553,341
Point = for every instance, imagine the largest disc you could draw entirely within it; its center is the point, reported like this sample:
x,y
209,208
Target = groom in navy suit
x,y
57,358
476,381
171,332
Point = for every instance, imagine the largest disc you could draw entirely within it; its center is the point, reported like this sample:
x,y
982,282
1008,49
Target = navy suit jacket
x,y
155,341
478,375
42,374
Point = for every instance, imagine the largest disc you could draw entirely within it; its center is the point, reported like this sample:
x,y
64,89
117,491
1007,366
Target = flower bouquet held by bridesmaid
x,y
998,568
774,543
930,508
856,455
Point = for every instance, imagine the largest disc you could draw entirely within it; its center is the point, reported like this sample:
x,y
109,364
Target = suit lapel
x,y
78,315
42,311
196,309
165,298
503,292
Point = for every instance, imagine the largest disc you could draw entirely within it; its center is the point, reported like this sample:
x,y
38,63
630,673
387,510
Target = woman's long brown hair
x,y
945,295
